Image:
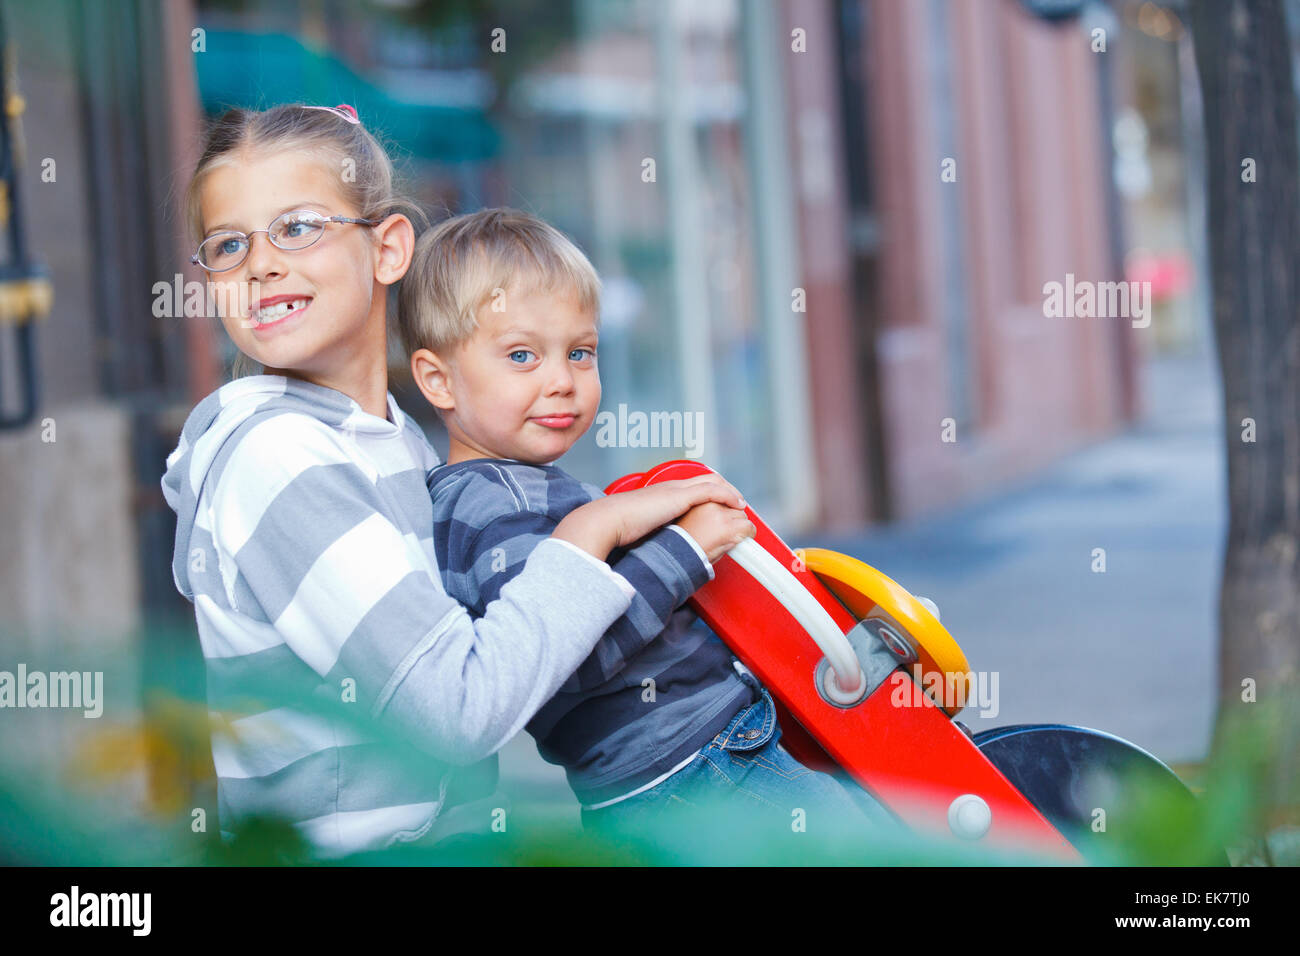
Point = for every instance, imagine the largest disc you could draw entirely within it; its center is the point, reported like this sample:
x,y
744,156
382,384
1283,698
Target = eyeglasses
x,y
290,231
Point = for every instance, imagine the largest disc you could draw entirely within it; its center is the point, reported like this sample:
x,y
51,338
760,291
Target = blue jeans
x,y
745,774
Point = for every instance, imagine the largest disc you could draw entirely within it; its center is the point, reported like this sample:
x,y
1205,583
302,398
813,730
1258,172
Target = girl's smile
x,y
279,312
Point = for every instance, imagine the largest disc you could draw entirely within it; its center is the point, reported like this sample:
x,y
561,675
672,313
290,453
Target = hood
x,y
215,419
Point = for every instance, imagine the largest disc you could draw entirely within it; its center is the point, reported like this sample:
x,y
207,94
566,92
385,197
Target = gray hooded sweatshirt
x,y
351,695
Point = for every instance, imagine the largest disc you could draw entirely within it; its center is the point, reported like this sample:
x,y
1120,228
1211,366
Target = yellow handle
x,y
868,593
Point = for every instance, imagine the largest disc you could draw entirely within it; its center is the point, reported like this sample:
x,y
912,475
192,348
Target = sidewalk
x,y
1130,651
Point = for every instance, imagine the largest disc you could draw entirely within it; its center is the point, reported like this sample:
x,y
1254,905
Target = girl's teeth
x,y
279,310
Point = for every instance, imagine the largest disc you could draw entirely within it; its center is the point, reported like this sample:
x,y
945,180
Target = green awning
x,y
256,71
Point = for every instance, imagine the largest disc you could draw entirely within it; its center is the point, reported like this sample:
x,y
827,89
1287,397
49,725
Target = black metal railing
x,y
25,291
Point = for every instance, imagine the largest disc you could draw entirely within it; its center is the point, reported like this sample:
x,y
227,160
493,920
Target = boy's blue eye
x,y
582,355
524,352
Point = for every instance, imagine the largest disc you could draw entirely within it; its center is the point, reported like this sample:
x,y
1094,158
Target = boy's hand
x,y
716,528
617,520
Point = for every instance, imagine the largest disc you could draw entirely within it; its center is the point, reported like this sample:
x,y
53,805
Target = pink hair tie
x,y
342,110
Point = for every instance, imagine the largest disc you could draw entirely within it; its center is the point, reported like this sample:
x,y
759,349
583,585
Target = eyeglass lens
x,y
292,230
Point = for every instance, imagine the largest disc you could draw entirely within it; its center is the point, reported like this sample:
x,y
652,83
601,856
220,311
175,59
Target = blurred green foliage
x,y
67,807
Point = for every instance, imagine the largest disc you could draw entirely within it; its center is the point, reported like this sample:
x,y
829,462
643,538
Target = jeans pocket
x,y
753,727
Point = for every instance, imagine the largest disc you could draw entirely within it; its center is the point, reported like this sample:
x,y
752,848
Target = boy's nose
x,y
561,380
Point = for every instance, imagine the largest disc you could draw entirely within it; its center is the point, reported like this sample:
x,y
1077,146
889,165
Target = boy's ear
x,y
432,374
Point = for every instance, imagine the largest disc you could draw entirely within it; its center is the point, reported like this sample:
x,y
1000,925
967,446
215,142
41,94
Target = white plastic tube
x,y
849,682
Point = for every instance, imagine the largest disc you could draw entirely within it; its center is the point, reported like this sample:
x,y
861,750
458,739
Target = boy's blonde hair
x,y
463,263
327,136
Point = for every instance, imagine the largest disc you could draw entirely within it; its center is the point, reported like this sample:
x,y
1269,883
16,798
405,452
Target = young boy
x,y
498,314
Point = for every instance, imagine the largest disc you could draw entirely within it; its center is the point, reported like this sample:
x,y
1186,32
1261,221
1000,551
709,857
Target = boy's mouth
x,y
276,309
555,421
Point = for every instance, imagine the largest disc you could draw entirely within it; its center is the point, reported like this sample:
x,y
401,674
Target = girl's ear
x,y
395,239
432,374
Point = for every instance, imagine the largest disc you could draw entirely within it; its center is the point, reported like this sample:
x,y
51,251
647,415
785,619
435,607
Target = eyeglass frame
x,y
248,236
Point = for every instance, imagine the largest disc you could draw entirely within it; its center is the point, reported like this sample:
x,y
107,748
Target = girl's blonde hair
x,y
463,263
366,177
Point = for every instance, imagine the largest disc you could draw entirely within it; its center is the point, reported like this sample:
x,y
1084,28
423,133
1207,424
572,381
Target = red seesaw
x,y
867,681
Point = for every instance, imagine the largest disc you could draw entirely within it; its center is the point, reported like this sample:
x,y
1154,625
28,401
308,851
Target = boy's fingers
x,y
686,493
718,489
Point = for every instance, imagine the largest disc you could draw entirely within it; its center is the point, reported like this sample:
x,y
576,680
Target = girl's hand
x,y
617,520
716,528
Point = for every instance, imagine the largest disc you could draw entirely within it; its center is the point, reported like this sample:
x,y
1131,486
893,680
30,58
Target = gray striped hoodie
x,y
350,694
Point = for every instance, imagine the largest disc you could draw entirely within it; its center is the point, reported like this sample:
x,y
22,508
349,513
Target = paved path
x,y
1131,651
